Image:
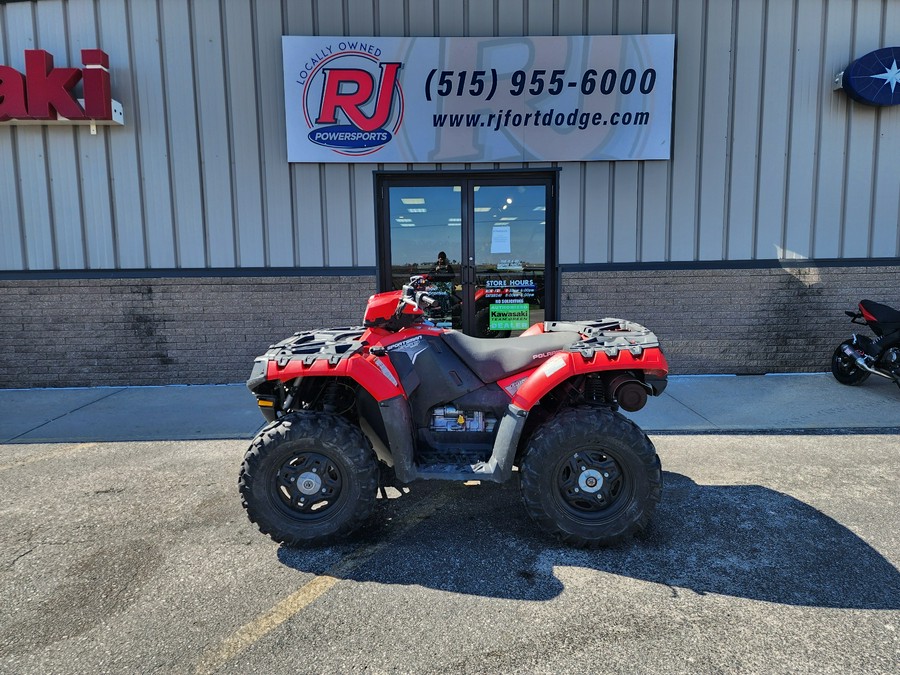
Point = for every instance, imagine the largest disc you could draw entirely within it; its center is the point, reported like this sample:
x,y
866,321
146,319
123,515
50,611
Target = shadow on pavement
x,y
744,541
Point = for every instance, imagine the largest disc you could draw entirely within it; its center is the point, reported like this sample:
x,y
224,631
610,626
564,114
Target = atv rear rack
x,y
610,336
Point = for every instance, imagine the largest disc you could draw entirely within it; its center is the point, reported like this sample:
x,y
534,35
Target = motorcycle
x,y
860,356
400,399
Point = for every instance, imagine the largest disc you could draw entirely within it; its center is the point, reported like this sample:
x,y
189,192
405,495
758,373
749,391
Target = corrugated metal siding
x,y
768,162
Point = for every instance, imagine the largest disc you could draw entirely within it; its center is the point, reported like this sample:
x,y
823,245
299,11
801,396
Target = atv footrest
x,y
481,470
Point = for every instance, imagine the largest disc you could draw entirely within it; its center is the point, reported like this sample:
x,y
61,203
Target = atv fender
x,y
373,374
565,364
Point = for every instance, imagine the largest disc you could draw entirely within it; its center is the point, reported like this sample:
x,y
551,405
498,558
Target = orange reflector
x,y
263,403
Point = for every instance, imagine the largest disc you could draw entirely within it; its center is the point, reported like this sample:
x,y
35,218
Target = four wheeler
x,y
860,356
400,399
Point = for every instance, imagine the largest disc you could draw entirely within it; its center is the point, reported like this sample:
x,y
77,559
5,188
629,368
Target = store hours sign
x,y
575,98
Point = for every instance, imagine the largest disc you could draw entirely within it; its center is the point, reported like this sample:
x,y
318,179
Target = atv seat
x,y
492,360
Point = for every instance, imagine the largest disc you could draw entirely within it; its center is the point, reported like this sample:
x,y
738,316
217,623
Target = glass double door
x,y
482,244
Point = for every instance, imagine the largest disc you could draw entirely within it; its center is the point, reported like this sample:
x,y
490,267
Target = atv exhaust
x,y
630,394
861,362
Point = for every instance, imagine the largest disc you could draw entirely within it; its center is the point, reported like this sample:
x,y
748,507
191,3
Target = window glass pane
x,y
510,255
426,239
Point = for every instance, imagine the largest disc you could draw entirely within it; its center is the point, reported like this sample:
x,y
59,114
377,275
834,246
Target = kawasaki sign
x,y
478,99
45,94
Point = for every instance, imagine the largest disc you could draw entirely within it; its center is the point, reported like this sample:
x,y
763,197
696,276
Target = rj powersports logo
x,y
352,102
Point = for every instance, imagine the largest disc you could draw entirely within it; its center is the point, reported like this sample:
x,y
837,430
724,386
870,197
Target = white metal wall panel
x,y
34,193
61,156
808,78
714,113
152,133
244,136
767,160
125,176
184,144
392,18
93,165
744,126
774,155
481,19
832,138
656,183
510,18
886,211
215,150
686,132
861,143
275,179
450,19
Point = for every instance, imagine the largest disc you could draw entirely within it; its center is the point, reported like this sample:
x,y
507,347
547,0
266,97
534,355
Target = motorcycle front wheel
x,y
845,369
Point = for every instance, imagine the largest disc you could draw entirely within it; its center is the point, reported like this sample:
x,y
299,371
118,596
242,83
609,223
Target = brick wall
x,y
90,332
736,321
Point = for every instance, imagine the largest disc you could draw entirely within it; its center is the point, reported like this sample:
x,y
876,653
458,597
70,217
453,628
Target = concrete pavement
x,y
690,404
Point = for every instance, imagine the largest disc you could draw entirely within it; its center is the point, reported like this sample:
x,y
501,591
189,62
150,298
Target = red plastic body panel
x,y
381,306
374,374
563,365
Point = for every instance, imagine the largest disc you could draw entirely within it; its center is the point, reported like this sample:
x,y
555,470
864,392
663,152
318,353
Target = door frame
x,y
549,176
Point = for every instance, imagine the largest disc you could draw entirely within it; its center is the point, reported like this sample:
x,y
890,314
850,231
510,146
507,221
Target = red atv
x,y
397,400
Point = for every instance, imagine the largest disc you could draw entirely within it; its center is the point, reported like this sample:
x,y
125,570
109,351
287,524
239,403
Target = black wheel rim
x,y
592,485
308,486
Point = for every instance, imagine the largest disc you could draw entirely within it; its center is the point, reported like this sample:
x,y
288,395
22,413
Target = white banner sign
x,y
390,99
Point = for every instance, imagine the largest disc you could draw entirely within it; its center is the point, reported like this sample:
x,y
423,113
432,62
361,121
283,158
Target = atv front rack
x,y
311,346
609,336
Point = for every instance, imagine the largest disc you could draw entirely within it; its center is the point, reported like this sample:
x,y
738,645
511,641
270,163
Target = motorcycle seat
x,y
887,316
494,359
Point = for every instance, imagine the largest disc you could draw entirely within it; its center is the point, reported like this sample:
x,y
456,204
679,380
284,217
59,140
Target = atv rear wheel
x,y
844,369
591,478
308,477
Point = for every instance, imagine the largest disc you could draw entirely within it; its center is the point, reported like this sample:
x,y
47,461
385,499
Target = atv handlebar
x,y
414,295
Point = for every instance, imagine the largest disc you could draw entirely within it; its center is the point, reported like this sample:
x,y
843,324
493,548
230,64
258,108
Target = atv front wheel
x,y
308,477
591,478
845,369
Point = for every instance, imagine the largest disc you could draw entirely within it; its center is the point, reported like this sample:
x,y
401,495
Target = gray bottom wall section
x,y
90,332
745,321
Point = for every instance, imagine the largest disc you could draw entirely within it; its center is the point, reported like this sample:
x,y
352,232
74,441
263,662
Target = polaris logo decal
x,y
352,102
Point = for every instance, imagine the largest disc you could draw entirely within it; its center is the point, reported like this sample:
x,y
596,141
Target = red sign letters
x,y
46,93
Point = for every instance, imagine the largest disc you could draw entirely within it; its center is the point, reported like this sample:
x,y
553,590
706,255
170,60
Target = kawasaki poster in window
x,y
430,100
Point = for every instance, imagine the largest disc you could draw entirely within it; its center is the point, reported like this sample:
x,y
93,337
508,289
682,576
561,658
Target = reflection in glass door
x,y
482,242
426,239
510,257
